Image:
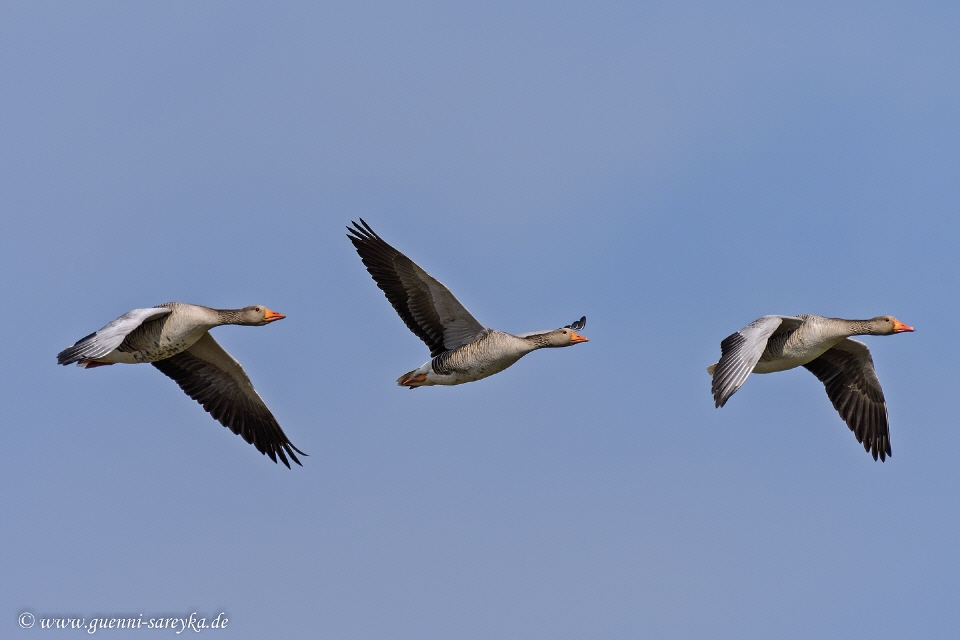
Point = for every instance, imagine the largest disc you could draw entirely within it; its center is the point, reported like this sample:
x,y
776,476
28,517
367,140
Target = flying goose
x,y
461,349
174,337
822,346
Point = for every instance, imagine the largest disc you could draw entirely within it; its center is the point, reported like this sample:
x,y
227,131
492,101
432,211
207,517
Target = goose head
x,y
886,325
563,337
257,315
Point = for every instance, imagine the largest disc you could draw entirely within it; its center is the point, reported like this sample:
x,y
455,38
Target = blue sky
x,y
671,171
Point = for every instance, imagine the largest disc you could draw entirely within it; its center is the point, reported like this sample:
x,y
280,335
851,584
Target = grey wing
x,y
100,343
847,372
740,352
212,377
424,304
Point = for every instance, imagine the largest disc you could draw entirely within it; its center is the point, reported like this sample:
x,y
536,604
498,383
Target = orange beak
x,y
576,337
270,316
899,327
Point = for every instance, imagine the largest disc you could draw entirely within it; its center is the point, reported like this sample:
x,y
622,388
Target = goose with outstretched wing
x,y
174,337
822,346
461,349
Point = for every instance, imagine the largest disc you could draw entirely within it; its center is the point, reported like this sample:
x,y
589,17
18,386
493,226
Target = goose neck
x,y
227,316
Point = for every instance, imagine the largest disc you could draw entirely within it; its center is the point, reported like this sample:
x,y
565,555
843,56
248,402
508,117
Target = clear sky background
x,y
672,172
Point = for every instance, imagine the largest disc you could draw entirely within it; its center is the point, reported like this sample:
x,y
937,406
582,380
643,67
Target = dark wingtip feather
x,y
290,446
283,451
369,228
361,232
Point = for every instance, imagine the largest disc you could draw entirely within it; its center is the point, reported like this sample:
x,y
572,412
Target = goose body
x,y
461,349
824,347
174,337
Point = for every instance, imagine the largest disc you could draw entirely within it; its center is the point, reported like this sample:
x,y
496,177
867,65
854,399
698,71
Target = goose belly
x,y
790,358
452,370
151,346
780,364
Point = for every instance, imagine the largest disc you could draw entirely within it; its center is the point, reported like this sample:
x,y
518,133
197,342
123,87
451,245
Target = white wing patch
x,y
99,344
741,351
